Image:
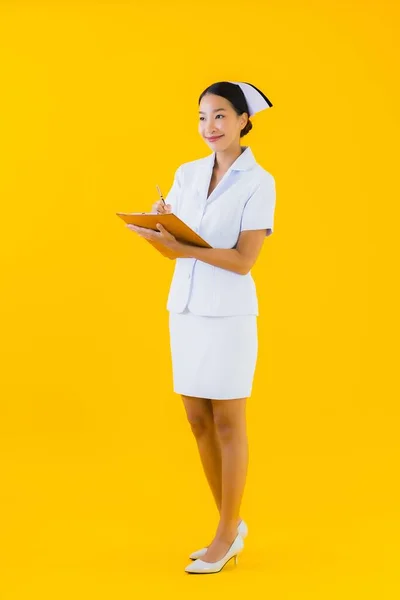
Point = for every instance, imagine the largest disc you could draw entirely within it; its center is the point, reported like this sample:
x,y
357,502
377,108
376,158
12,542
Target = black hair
x,y
234,94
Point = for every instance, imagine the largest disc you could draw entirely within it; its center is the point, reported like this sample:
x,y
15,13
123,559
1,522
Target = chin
x,y
218,146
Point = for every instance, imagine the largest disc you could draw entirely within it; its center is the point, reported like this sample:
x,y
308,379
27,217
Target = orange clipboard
x,y
178,228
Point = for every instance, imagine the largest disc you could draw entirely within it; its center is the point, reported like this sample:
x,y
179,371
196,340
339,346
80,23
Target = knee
x,y
201,424
226,428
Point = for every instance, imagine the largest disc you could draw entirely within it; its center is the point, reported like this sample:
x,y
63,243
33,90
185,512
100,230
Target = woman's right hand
x,y
161,208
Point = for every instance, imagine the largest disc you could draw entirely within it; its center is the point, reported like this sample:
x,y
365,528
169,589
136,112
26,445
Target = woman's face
x,y
219,124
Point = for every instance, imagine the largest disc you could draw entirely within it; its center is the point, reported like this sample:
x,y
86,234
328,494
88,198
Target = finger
x,y
150,233
162,230
158,207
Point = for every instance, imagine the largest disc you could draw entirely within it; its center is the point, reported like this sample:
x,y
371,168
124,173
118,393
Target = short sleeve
x,y
259,209
174,193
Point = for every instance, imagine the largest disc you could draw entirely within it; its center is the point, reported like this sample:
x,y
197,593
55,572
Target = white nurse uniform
x,y
213,311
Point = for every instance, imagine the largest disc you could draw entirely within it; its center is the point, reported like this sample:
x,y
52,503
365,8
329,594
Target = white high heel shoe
x,y
242,529
200,566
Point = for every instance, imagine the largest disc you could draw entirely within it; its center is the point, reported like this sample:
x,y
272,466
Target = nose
x,y
212,132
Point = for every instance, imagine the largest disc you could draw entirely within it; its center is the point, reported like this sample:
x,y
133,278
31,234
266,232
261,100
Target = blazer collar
x,y
244,162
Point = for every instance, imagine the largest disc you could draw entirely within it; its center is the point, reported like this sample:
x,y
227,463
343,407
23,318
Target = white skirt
x,y
213,357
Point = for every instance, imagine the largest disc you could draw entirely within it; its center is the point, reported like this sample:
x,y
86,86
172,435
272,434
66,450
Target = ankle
x,y
239,520
226,528
226,535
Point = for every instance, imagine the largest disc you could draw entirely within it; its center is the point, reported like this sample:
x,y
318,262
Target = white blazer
x,y
244,199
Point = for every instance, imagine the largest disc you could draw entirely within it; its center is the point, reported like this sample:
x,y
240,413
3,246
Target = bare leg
x,y
201,418
230,425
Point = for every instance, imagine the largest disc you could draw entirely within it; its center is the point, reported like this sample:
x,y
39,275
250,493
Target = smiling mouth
x,y
211,139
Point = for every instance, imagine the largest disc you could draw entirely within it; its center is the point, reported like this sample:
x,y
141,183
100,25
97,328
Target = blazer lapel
x,y
204,178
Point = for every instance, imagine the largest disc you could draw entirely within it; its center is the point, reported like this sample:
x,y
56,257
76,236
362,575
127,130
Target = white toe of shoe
x,y
201,566
198,553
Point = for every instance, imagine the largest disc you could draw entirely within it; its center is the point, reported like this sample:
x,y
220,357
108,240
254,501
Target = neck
x,y
226,158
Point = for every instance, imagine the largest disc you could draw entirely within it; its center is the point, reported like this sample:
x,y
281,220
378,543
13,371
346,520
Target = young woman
x,y
229,199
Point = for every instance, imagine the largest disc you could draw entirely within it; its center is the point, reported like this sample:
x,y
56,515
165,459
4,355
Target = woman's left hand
x,y
162,236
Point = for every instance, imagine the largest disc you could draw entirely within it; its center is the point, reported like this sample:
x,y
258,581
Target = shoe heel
x,y
236,559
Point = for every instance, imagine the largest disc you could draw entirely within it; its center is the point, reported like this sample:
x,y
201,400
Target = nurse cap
x,y
256,100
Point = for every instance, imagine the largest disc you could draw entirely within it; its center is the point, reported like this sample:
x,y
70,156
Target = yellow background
x,y
102,492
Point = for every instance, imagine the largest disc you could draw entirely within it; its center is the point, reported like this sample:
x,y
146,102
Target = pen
x,y
160,194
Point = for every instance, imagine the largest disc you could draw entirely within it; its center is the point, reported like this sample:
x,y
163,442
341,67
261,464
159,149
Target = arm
x,y
257,223
239,259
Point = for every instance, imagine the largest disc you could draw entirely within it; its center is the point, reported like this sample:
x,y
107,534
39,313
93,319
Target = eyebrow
x,y
216,110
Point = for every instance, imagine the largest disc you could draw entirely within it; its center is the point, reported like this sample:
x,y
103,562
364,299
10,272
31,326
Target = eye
x,y
223,116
